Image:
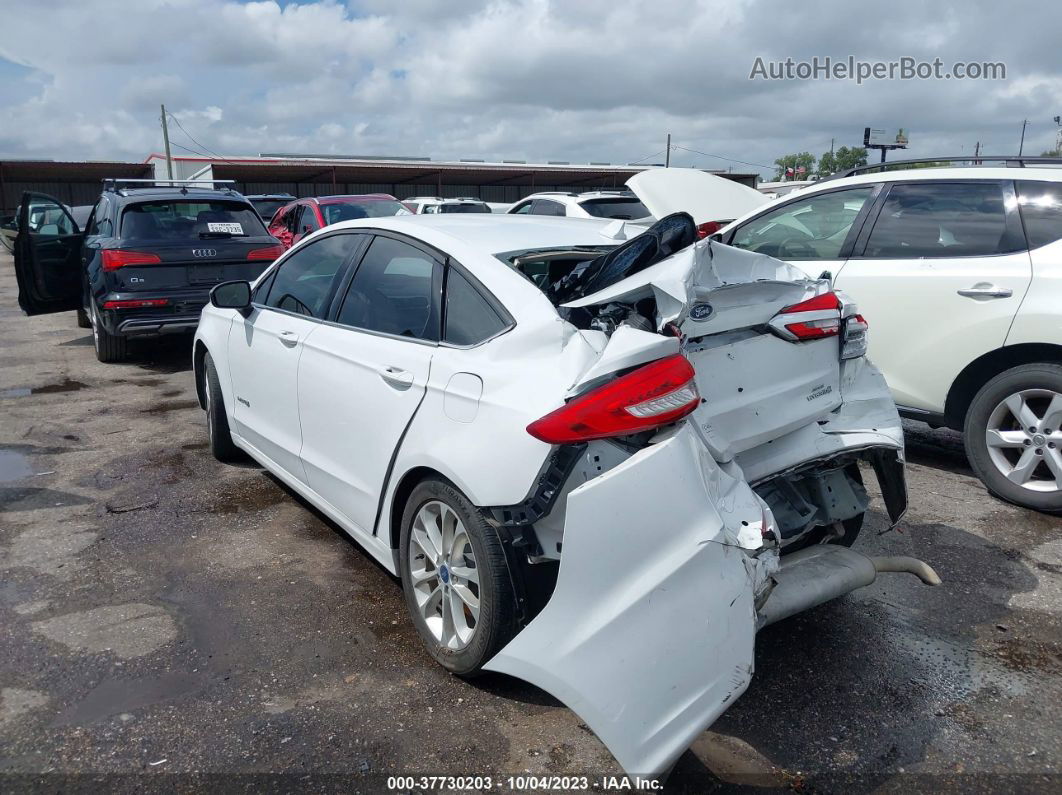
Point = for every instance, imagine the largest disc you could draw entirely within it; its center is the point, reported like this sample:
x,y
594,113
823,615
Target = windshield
x,y
267,208
467,207
349,211
183,220
625,209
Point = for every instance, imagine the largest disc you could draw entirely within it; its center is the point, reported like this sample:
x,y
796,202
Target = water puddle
x,y
13,466
66,385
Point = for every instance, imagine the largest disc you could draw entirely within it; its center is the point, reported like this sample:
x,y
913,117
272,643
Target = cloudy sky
x,y
575,80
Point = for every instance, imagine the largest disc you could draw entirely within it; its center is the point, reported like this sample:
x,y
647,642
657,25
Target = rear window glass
x,y
624,209
189,220
349,211
267,208
464,208
1041,211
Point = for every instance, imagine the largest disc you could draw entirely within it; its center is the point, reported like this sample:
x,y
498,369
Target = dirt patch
x,y
174,405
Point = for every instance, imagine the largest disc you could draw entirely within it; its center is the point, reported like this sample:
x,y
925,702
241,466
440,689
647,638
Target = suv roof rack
x,y
971,161
112,184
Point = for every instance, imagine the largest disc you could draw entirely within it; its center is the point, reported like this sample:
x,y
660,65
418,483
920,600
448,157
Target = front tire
x,y
1013,439
109,347
455,578
221,445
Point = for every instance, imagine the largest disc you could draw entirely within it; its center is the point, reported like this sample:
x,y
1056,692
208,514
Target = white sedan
x,y
583,451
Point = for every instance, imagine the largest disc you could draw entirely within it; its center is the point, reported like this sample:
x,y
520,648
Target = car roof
x,y
363,197
942,174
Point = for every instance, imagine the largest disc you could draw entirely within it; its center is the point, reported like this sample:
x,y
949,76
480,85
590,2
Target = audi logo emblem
x,y
204,252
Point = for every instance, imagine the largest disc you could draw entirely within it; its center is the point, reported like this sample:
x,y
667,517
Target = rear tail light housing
x,y
113,259
654,395
136,303
709,228
854,340
813,319
269,252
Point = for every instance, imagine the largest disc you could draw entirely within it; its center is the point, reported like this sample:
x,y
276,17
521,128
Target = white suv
x,y
596,204
959,273
434,204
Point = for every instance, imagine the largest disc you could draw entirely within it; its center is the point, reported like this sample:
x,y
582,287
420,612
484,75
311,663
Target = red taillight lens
x,y
136,303
270,253
818,317
709,228
113,260
651,396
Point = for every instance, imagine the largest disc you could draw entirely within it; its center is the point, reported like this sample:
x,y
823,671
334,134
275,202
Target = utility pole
x,y
1021,146
977,151
831,146
667,155
166,140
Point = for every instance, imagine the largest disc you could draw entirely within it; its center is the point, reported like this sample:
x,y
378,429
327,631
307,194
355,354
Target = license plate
x,y
231,228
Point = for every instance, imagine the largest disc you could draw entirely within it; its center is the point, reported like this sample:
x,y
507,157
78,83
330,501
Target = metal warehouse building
x,y
323,175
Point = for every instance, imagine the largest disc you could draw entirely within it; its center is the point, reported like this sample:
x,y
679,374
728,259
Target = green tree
x,y
1052,153
804,160
841,160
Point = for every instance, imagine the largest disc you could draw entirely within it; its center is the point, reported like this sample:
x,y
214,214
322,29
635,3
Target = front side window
x,y
189,220
470,318
546,207
1041,211
49,218
307,220
941,220
393,292
303,281
806,229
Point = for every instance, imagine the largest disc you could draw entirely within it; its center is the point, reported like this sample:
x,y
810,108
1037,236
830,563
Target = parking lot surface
x,y
166,620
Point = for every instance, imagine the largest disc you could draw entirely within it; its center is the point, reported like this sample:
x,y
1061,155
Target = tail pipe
x,y
816,575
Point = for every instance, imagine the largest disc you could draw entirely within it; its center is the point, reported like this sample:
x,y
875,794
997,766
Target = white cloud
x,y
524,79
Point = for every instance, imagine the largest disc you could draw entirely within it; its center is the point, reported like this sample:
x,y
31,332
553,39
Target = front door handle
x,y
983,291
289,338
397,377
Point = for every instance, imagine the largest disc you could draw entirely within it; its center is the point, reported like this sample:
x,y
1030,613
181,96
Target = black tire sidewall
x,y
1028,376
221,444
496,614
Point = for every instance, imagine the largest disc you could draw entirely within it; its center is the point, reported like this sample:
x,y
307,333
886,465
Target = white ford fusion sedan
x,y
583,450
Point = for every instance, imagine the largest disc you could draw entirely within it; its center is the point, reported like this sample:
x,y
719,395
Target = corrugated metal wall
x,y
490,193
72,193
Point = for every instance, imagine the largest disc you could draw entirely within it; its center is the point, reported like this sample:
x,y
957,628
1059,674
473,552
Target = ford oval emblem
x,y
701,311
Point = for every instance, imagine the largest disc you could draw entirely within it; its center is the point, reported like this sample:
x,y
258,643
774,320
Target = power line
x,y
639,160
193,140
720,157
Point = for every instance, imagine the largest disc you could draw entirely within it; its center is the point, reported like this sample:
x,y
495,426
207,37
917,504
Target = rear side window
x,y
350,211
624,209
303,282
941,220
470,319
189,220
464,207
1041,211
393,292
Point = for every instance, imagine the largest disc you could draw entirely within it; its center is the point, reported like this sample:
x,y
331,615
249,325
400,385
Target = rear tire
x,y
450,557
221,444
1024,464
83,319
109,347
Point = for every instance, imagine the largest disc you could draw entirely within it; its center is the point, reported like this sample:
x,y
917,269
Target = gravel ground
x,y
170,622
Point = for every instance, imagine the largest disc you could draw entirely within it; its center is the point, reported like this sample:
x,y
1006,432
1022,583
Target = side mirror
x,y
306,229
232,295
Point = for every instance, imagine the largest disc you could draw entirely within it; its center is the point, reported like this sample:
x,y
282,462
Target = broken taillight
x,y
115,259
813,319
649,397
854,341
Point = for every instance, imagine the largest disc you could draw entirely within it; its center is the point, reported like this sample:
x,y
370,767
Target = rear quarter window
x,y
623,209
1041,211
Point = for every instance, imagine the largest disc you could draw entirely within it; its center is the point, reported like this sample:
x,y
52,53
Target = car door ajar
x,y
264,348
47,256
362,379
939,274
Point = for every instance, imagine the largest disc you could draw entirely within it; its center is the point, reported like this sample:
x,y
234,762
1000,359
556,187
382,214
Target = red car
x,y
292,222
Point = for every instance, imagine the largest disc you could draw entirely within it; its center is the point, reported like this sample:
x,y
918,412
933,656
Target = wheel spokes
x,y
1005,439
1053,416
1053,459
1025,416
1023,470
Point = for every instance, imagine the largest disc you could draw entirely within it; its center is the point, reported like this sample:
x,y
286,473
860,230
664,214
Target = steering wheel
x,y
796,247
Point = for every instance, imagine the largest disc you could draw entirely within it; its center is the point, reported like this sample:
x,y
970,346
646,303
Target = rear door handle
x,y
289,338
983,291
396,377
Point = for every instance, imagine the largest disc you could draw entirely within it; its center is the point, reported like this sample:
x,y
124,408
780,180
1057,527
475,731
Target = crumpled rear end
x,y
649,633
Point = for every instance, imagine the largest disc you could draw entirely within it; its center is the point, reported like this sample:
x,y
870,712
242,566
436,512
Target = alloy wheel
x,y
1025,441
444,575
